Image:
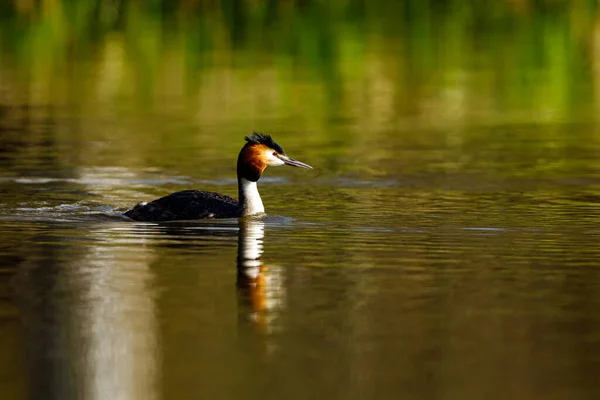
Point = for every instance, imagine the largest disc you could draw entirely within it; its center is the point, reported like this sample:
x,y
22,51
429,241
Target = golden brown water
x,y
444,246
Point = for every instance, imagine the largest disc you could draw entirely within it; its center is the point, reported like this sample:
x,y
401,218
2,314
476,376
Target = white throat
x,y
250,200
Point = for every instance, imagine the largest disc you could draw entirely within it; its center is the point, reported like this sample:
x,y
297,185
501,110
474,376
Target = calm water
x,y
444,247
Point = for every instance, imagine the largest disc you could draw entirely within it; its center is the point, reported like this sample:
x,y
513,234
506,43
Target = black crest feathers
x,y
267,140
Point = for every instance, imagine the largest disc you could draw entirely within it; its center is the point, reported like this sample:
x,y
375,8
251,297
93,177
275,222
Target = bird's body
x,y
259,152
186,205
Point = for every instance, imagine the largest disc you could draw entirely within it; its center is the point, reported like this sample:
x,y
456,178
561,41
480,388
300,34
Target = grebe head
x,y
258,153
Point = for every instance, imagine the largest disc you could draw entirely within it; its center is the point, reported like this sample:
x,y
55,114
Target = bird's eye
x,y
275,153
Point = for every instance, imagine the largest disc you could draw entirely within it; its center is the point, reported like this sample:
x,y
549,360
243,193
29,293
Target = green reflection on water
x,y
167,83
454,60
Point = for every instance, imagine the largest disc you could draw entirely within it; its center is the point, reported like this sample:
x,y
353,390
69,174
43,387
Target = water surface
x,y
444,246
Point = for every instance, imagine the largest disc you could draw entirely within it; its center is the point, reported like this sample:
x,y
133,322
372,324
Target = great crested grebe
x,y
258,153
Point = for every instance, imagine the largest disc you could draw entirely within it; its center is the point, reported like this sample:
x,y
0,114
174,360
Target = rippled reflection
x,y
90,319
261,287
90,312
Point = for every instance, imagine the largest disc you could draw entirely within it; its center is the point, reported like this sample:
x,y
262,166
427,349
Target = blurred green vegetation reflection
x,y
419,61
157,82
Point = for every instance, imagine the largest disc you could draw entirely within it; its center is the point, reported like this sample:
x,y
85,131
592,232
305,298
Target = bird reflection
x,y
260,288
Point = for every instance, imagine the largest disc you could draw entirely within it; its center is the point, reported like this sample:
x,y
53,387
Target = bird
x,y
259,152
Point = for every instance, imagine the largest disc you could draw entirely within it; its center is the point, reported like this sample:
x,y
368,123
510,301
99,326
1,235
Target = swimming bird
x,y
259,152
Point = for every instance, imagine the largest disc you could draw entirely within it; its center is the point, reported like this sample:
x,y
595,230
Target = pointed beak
x,y
293,163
